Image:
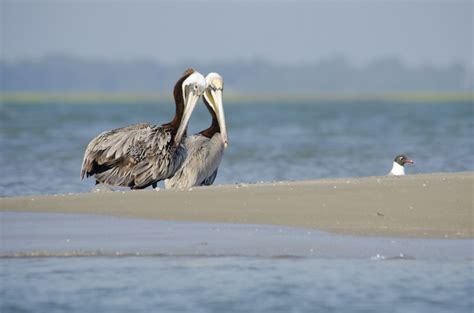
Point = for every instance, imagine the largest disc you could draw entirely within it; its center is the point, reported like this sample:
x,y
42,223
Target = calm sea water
x,y
112,264
42,145
233,284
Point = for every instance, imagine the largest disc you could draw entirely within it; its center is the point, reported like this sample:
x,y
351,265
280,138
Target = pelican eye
x,y
214,88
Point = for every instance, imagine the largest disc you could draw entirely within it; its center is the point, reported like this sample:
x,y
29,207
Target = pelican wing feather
x,y
210,180
134,156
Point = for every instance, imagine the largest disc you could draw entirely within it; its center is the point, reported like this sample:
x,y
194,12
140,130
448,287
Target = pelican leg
x,y
154,185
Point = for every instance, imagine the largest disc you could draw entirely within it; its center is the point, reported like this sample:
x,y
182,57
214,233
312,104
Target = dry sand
x,y
434,205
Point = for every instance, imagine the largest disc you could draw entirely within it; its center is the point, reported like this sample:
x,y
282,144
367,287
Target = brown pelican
x,y
141,155
205,149
398,168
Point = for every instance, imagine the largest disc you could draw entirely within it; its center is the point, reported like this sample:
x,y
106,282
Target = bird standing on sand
x,y
140,155
398,168
205,149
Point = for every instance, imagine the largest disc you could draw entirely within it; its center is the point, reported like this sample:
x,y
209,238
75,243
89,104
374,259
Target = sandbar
x,y
436,205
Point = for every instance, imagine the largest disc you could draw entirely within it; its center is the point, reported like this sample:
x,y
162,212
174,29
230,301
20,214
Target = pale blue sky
x,y
420,32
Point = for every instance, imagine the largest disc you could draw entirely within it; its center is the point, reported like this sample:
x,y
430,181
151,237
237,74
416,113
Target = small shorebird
x,y
398,168
205,149
140,155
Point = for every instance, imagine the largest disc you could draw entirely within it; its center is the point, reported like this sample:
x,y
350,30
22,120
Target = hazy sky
x,y
421,32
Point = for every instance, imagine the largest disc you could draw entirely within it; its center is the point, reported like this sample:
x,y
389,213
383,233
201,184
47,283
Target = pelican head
x,y
213,96
192,87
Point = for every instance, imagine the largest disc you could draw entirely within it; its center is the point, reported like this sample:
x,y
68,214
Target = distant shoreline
x,y
234,97
419,206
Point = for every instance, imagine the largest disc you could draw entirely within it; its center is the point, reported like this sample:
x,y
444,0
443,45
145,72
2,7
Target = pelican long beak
x,y
217,96
190,103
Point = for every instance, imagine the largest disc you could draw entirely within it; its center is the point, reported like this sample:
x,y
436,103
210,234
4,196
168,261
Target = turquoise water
x,y
43,144
86,263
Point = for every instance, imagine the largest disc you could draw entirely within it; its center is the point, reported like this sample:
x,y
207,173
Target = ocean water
x,y
83,263
233,284
42,145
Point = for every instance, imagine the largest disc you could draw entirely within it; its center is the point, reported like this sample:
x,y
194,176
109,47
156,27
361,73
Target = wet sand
x,y
431,206
80,235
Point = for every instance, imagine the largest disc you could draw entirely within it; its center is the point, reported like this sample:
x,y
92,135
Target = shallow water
x,y
125,265
233,284
80,263
46,234
43,144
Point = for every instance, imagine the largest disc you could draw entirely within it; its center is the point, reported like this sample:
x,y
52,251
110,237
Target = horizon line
x,y
238,97
254,59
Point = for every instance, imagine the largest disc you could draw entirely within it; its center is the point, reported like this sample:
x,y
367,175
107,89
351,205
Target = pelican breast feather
x,y
201,164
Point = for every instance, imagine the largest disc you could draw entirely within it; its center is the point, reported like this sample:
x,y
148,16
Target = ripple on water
x,y
47,141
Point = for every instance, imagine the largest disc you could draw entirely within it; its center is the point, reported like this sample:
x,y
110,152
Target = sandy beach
x,y
425,206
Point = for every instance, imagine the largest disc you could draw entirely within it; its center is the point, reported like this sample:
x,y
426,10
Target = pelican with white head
x,y
192,88
205,149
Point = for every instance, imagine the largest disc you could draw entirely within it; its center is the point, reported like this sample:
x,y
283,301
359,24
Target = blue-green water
x,y
42,145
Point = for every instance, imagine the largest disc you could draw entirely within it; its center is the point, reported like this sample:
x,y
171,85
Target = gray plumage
x,y
140,155
136,156
201,164
204,150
